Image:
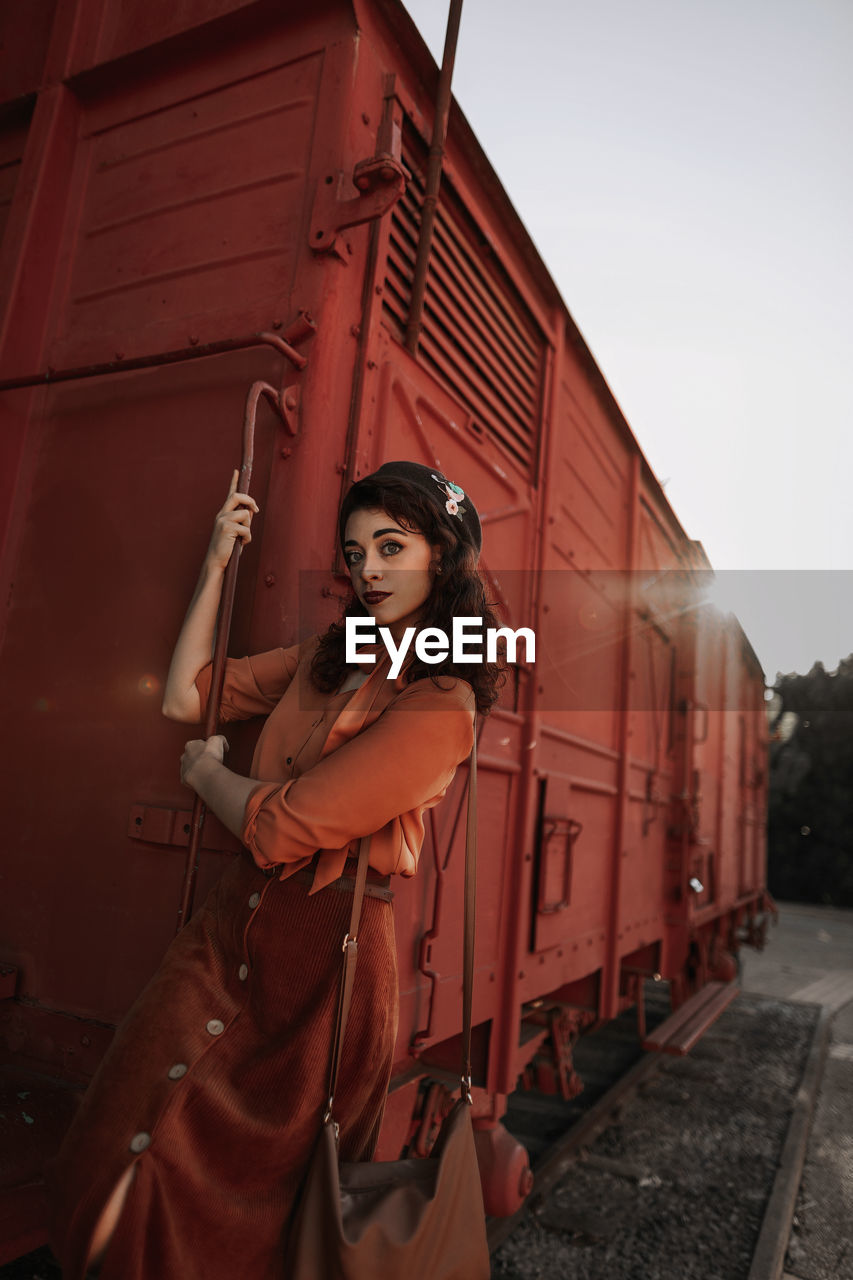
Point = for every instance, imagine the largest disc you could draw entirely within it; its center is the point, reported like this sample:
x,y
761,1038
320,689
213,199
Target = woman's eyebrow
x,y
377,533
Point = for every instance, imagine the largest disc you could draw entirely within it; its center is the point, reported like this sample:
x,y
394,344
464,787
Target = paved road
x,y
808,957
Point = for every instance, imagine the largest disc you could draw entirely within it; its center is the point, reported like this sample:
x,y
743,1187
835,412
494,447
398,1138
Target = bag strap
x,y
350,943
468,925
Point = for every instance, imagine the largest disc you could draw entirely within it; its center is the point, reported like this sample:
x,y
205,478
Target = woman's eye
x,y
391,548
352,557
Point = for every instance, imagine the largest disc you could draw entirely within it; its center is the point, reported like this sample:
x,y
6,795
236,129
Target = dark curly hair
x,y
458,591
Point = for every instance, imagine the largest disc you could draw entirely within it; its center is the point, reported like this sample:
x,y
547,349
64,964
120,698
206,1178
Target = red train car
x,y
185,185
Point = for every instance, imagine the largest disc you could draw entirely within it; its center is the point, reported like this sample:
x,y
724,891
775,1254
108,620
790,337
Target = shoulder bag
x,y
414,1219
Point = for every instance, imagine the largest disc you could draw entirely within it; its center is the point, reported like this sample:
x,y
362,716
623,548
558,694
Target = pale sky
x,y
684,168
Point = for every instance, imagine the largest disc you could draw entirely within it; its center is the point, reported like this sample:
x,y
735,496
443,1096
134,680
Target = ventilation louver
x,y
478,336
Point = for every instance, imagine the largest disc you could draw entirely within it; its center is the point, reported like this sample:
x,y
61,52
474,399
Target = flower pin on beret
x,y
454,496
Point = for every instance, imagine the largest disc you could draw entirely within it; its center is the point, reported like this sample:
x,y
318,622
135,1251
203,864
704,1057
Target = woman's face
x,y
389,566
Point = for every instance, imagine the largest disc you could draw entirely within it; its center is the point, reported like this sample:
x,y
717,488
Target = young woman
x,y
190,1145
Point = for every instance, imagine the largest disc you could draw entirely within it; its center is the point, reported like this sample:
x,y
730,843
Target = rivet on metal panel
x,y
193,339
371,364
288,404
276,324
355,330
365,118
270,580
285,453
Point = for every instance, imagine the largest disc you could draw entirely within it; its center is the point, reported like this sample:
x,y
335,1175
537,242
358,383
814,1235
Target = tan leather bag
x,y
415,1219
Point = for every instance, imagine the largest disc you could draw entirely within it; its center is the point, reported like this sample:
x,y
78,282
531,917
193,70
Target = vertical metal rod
x,y
621,834
302,327
223,630
436,154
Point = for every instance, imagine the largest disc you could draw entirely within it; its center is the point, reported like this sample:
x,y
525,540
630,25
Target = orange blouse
x,y
333,767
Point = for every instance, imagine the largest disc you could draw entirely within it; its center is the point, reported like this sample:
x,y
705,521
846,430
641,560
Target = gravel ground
x,y
676,1187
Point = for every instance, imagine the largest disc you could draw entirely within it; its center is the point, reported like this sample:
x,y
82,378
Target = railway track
x,y
681,1168
612,1064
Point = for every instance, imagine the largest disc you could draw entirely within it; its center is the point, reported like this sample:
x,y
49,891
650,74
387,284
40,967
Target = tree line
x,y
810,818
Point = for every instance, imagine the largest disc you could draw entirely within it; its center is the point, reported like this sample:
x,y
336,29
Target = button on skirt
x,y
215,1084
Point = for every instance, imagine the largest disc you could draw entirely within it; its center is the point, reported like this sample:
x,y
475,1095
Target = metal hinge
x,y
380,181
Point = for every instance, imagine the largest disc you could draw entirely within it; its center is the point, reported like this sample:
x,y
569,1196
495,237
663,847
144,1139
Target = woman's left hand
x,y
199,750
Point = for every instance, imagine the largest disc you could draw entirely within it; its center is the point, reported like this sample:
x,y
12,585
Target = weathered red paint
x,y
172,166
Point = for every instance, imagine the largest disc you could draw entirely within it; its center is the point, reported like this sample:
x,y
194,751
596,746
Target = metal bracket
x,y
558,838
156,825
552,1069
381,181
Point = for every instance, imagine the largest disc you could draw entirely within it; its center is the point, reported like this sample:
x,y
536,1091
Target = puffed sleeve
x,y
406,758
253,686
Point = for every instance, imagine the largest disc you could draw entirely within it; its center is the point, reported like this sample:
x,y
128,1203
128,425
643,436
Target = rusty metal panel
x,y
133,24
587,514
190,219
14,129
24,45
126,473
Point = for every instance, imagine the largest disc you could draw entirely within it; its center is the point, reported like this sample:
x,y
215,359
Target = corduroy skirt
x,y
215,1084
